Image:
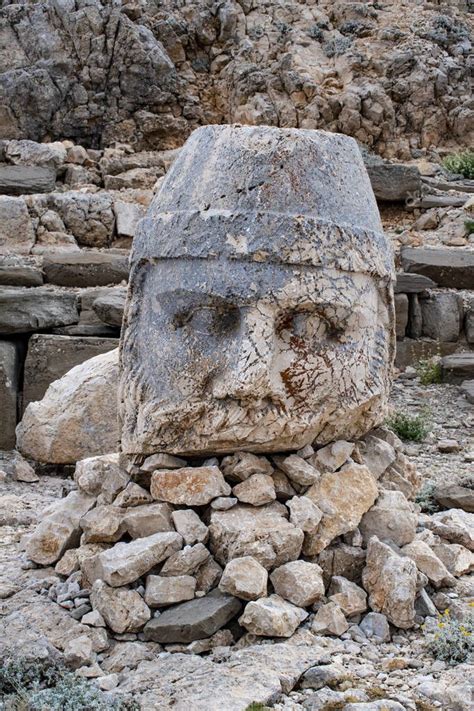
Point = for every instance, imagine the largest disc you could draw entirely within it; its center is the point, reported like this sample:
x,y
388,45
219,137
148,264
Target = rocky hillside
x,y
393,75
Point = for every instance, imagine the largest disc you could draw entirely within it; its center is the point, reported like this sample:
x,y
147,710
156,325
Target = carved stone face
x,y
238,351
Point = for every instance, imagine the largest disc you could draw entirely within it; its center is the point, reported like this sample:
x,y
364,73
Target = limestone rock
x,y
257,490
344,560
17,233
223,503
297,469
125,562
244,578
454,525
453,496
190,526
330,619
332,456
283,488
390,580
109,306
239,466
101,476
190,486
104,524
26,310
375,625
377,455
452,268
162,461
304,513
298,582
168,591
24,471
185,561
59,530
428,563
195,619
142,521
272,617
77,418
78,652
208,575
343,497
122,609
127,655
133,495
350,597
457,559
390,519
262,533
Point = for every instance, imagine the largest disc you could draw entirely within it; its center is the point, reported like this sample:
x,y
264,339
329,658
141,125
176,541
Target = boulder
x,y
448,267
376,454
125,562
24,310
168,591
19,271
343,497
109,307
190,526
244,578
453,496
457,559
195,619
59,529
454,525
162,461
239,466
375,626
391,581
190,486
127,215
407,283
304,513
390,519
330,619
257,490
50,357
101,476
392,181
298,582
17,233
123,610
26,179
332,456
441,314
261,532
297,469
85,268
458,367
350,597
342,559
185,561
272,617
77,418
143,521
104,524
429,564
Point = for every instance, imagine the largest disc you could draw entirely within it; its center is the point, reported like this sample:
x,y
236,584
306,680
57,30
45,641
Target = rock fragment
x,y
190,526
332,456
257,489
390,519
123,610
428,563
185,561
304,513
168,591
244,578
299,582
297,469
142,521
272,617
350,597
190,486
330,619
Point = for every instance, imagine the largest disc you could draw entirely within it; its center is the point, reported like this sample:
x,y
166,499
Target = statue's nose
x,y
252,375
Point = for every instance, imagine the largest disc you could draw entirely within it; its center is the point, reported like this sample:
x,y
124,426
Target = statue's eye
x,y
308,325
207,320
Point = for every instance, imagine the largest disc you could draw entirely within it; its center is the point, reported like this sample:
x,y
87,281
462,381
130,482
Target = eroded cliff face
x,y
393,75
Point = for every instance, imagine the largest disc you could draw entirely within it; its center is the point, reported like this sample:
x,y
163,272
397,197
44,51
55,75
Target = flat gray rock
x,y
24,310
453,496
9,385
85,268
448,267
196,619
22,179
408,283
109,307
19,271
458,367
392,181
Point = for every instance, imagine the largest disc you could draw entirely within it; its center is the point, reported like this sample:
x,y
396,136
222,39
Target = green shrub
x,y
469,225
462,163
425,498
429,371
413,428
452,641
256,706
40,685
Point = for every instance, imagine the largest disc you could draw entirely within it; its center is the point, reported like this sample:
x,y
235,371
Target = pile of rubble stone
x,y
194,554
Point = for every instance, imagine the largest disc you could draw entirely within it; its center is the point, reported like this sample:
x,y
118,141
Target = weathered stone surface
x,y
101,476
441,314
168,591
412,283
196,619
103,525
9,386
24,310
452,496
458,367
186,561
208,575
85,268
59,530
262,533
401,314
127,654
77,418
78,652
344,560
190,486
428,563
257,490
304,513
272,617
392,181
125,562
330,619
447,267
390,519
20,271
457,559
24,179
17,235
390,580
236,394
162,461
190,526
283,488
375,625
50,357
109,307
133,495
343,497
298,582
127,215
454,525
244,578
123,610
350,597
239,466
142,521
376,454
467,387
298,470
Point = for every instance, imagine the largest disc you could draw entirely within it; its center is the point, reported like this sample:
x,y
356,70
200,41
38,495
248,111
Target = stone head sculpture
x,y
260,307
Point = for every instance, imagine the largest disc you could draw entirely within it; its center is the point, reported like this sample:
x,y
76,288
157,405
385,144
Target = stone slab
x,y
19,271
24,310
85,268
49,357
393,181
408,283
25,179
458,367
9,381
196,619
452,268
